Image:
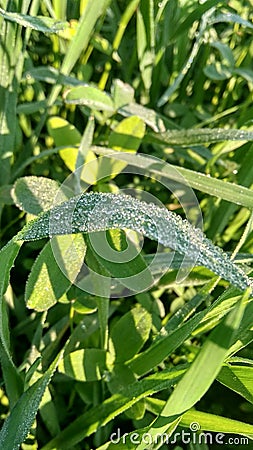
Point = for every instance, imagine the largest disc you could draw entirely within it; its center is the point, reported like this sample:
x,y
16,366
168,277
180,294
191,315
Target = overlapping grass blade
x,y
19,422
38,23
239,195
11,43
98,416
200,376
206,421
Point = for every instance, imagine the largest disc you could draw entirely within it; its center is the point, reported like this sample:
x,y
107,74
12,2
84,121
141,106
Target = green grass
x,y
119,319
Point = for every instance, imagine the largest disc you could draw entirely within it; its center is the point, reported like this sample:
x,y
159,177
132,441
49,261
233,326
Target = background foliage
x,y
80,79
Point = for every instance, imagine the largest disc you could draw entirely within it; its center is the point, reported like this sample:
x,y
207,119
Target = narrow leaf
x,y
89,96
53,272
215,423
206,421
102,414
38,23
130,333
200,375
239,379
163,346
19,422
36,194
197,180
10,47
200,136
232,18
12,378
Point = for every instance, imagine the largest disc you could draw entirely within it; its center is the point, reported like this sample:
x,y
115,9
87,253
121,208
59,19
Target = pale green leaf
x,y
125,137
84,364
102,414
205,421
65,134
130,333
36,194
89,96
122,93
197,180
50,75
86,25
149,116
217,424
53,272
22,416
232,18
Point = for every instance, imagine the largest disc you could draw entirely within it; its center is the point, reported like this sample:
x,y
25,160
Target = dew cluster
x,y
203,135
100,211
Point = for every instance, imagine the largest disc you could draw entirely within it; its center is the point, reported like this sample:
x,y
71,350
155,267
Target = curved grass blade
x,y
19,422
44,24
200,375
89,96
188,63
10,52
87,213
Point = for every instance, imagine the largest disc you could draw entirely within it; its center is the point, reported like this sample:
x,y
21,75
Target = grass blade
x,y
201,374
98,416
200,136
122,211
38,23
85,29
8,95
212,186
19,422
206,421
